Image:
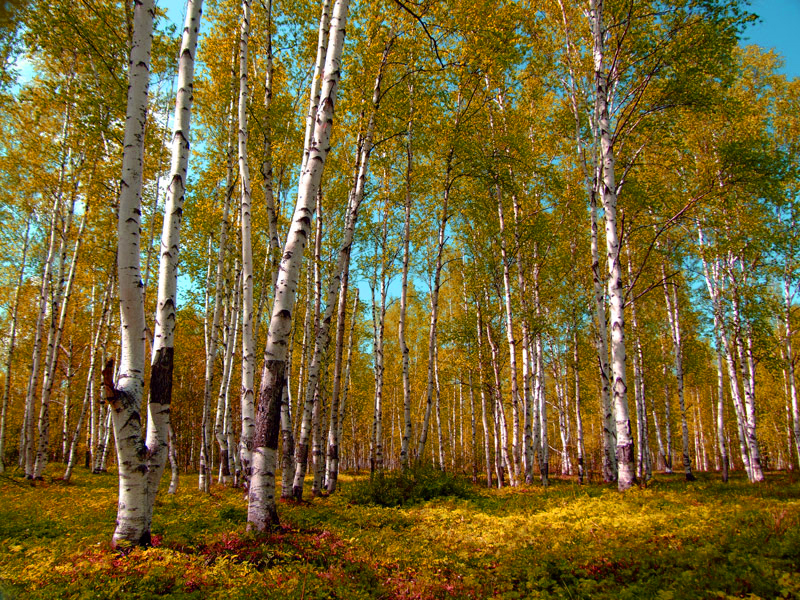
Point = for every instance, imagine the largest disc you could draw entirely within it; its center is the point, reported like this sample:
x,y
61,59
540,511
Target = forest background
x,y
594,212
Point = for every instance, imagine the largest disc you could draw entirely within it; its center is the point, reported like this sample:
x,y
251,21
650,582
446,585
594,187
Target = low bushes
x,y
398,488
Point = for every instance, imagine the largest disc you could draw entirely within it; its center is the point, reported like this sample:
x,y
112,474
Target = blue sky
x,y
777,28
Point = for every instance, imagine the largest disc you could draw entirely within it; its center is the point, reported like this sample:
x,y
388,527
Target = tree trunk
x,y
50,365
101,333
675,328
626,475
578,419
125,396
401,325
789,356
12,339
141,462
248,335
262,512
487,452
432,331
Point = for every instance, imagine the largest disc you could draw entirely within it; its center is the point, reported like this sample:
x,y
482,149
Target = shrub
x,y
397,488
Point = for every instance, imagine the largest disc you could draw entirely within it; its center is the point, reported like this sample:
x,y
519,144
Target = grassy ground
x,y
671,540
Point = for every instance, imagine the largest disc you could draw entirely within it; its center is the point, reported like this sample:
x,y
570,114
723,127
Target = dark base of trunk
x,y
125,546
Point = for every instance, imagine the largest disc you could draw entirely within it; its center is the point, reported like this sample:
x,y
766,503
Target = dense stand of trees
x,y
544,238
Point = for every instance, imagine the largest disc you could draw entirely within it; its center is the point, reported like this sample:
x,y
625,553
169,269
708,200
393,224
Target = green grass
x,y
671,540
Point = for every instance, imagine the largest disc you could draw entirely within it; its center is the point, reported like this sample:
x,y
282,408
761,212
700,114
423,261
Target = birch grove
x,y
583,256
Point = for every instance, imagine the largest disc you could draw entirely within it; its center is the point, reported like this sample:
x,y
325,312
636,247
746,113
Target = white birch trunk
x,y
262,512
501,413
125,396
626,475
50,366
173,463
401,324
101,333
723,446
204,480
578,418
221,422
712,279
288,464
789,356
432,331
246,439
673,320
12,339
27,456
334,467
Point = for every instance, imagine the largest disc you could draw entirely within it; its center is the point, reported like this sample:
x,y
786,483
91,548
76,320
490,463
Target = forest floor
x,y
671,540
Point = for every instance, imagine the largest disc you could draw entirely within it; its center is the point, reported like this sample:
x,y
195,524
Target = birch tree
x,y
262,512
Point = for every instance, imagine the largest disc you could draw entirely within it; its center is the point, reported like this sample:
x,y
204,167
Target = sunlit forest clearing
x,y
397,299
671,540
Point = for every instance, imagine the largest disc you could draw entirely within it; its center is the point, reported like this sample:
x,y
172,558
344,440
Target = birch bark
x,y
262,512
12,340
100,334
125,396
401,324
141,461
626,475
246,439
673,320
432,331
50,365
789,354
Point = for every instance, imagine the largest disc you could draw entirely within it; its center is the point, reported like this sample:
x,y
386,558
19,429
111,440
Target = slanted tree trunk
x,y
643,463
501,413
50,366
578,419
487,450
230,336
288,464
27,456
335,444
378,326
512,343
262,511
100,334
310,397
204,480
